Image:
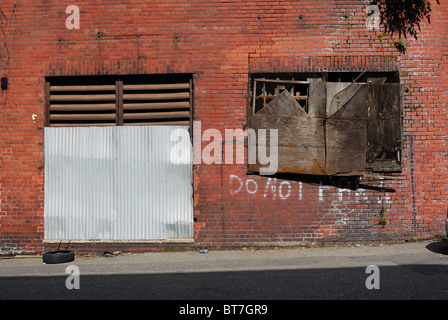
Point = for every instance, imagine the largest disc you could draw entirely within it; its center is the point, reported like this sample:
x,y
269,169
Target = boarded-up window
x,y
124,100
345,128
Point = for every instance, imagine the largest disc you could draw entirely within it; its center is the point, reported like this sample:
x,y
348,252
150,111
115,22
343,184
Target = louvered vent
x,y
167,104
129,101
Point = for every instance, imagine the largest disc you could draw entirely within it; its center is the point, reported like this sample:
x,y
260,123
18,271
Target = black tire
x,y
58,257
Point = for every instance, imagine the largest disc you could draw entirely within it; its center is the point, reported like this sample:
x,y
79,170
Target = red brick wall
x,y
221,42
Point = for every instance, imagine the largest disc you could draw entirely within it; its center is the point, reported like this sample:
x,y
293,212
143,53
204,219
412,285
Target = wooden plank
x,y
157,96
281,81
338,94
298,98
157,105
367,126
385,166
345,146
351,104
83,88
300,143
84,97
317,99
264,94
165,86
283,105
384,131
82,107
346,129
156,115
254,98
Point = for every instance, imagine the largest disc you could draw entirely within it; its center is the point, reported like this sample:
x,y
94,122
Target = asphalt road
x,y
406,271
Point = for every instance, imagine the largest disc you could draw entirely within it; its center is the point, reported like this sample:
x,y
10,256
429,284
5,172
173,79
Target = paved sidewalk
x,y
237,260
407,271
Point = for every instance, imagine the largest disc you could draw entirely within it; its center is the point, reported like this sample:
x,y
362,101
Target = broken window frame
x,y
378,165
281,85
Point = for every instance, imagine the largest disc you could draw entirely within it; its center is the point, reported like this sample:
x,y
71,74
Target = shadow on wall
x,y
345,182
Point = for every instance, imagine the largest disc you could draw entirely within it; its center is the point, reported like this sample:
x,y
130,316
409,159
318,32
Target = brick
x,y
221,42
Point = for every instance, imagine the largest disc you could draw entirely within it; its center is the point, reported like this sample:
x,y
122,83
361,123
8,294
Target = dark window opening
x,y
265,90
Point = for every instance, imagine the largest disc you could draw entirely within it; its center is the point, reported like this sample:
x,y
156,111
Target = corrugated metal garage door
x,y
116,183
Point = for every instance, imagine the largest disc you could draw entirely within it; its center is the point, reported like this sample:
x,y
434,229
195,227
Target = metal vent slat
x,y
124,103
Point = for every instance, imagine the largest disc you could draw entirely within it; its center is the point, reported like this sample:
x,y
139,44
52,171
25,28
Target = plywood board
x,y
384,122
347,126
300,143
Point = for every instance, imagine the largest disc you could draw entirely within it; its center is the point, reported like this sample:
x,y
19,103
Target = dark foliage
x,y
403,17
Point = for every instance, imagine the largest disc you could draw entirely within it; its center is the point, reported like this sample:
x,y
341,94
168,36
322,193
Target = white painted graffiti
x,y
277,189
271,189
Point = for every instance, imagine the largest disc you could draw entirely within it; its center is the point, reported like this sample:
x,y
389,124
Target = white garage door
x,y
117,183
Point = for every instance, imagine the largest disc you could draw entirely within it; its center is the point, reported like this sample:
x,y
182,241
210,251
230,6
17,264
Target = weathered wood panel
x,y
384,137
300,143
346,146
339,94
347,126
284,105
300,137
318,99
346,129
